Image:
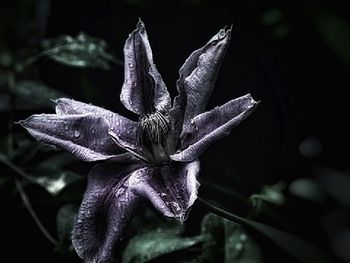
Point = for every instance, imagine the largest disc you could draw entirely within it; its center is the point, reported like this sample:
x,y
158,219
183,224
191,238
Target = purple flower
x,y
159,152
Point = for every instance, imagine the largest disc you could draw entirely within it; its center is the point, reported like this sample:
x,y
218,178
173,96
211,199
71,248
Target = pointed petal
x,y
211,126
125,129
143,90
171,189
198,75
107,208
85,136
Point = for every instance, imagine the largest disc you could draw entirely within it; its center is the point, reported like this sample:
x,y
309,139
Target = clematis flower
x,y
159,152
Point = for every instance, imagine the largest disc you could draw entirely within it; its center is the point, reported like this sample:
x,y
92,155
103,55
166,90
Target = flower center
x,y
156,136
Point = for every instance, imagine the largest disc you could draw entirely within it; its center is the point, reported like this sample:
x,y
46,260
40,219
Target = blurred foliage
x,y
81,51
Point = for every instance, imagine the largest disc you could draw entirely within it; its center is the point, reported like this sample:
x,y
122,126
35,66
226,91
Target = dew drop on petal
x,y
162,194
76,133
93,131
66,127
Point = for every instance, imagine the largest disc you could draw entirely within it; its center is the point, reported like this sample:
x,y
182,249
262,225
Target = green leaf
x,y
335,30
51,175
65,222
239,246
226,241
213,233
54,183
308,189
65,219
157,242
271,194
301,250
36,95
82,51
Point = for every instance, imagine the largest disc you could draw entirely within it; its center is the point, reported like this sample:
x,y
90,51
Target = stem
x,y
36,219
24,196
12,87
223,213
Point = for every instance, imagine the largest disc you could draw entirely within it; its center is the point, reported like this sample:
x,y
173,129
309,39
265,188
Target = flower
x,y
159,152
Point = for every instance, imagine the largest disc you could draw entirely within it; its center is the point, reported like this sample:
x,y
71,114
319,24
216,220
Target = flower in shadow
x,y
159,152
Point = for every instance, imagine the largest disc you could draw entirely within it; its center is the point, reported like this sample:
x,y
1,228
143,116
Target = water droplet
x,y
102,142
243,237
192,122
66,127
91,47
131,65
79,221
174,205
131,103
93,131
162,194
239,246
76,133
115,229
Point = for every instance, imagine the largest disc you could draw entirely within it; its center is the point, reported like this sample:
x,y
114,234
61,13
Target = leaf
x,y
335,183
65,222
213,233
157,242
226,241
308,189
51,175
271,194
56,182
82,51
301,250
336,32
48,175
36,94
239,246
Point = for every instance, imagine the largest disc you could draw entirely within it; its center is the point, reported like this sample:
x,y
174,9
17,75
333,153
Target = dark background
x,y
294,56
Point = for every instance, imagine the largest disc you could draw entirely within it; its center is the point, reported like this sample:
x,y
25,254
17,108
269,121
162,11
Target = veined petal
x,y
125,129
85,136
143,90
211,126
108,206
198,75
171,189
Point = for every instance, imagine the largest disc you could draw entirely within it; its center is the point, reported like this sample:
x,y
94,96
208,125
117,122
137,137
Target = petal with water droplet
x,y
77,139
198,75
143,90
125,129
101,221
208,127
171,189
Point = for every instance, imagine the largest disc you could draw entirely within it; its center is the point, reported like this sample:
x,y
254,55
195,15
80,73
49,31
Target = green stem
x,y
29,207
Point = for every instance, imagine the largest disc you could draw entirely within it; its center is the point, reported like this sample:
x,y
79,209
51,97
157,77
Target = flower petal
x,y
143,90
85,136
211,126
104,214
125,129
198,75
171,189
